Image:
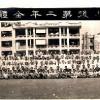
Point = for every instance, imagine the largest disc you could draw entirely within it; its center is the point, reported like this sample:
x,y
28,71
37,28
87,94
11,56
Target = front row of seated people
x,y
47,73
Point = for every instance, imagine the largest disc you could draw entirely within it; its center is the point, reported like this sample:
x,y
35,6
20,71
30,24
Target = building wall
x,y
97,43
42,38
88,42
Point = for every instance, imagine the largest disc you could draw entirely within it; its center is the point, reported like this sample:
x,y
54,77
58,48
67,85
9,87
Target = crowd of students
x,y
43,72
84,66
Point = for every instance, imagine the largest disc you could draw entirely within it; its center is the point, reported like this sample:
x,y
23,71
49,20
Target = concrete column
x,y
26,42
34,41
80,40
13,42
47,39
68,38
60,46
0,38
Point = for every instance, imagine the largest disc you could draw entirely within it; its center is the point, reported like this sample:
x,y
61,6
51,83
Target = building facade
x,y
88,42
33,38
97,42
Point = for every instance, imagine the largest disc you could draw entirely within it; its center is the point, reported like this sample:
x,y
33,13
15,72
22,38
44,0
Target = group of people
x,y
48,73
53,67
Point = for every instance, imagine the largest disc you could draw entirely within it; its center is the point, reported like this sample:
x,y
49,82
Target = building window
x,y
6,53
40,32
92,40
64,42
20,44
6,43
30,43
53,42
53,31
74,30
20,53
6,33
30,31
5,24
74,42
64,31
41,43
20,32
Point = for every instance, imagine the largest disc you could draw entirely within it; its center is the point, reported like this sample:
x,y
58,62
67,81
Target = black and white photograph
x,y
49,53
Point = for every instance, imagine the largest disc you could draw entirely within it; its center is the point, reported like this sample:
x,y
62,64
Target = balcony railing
x,y
30,46
21,36
63,34
21,47
64,45
53,34
74,34
6,36
53,46
40,35
6,48
30,36
74,45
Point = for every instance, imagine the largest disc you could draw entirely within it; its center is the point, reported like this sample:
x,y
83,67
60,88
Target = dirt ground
x,y
50,89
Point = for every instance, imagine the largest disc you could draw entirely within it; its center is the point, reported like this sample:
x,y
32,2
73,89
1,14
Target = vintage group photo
x,y
49,59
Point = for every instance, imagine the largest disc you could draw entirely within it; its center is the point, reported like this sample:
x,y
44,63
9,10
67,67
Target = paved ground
x,y
50,89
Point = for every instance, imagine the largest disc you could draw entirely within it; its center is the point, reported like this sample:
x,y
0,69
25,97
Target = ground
x,y
50,89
